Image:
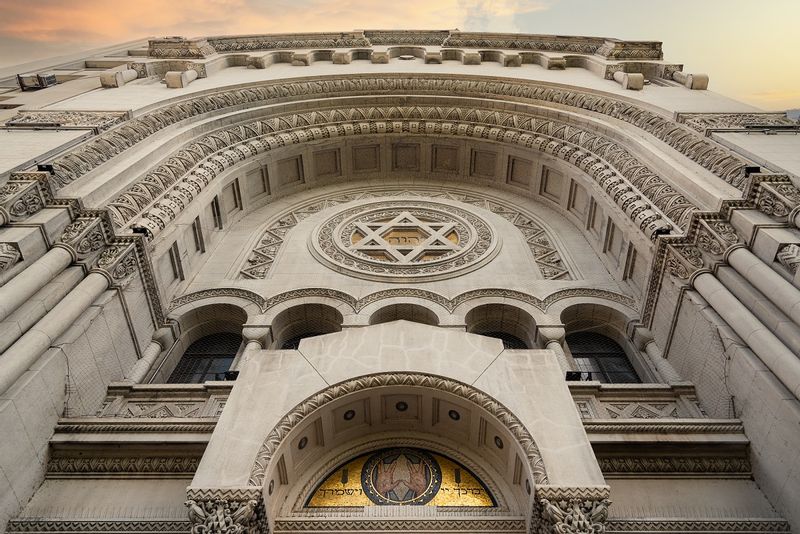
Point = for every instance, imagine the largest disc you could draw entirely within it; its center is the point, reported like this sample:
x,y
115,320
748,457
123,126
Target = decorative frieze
x,y
97,121
711,156
697,525
710,122
289,40
121,465
192,168
180,48
777,199
674,465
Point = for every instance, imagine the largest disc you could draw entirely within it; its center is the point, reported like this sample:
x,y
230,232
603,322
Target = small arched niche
x,y
596,341
513,326
294,324
211,337
404,312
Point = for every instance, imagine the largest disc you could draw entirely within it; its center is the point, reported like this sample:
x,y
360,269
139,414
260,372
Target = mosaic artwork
x,y
401,476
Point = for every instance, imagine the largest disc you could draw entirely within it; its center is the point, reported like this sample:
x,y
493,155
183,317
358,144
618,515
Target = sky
x,y
749,48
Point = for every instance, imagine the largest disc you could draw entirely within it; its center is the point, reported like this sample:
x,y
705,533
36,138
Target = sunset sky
x,y
750,48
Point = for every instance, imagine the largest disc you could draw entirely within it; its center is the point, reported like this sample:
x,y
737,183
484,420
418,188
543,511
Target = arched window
x,y
513,326
601,356
206,359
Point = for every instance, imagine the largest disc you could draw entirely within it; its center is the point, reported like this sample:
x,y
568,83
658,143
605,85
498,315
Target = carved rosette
x,y
571,510
9,256
226,510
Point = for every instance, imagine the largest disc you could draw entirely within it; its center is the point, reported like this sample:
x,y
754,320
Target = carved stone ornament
x,y
777,199
541,245
572,510
226,511
300,412
9,256
60,119
647,199
789,257
20,199
118,262
708,122
404,239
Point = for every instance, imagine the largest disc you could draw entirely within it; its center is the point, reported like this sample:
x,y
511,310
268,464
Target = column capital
x,y
257,333
572,509
546,334
226,510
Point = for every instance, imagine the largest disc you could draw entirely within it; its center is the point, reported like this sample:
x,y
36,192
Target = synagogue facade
x,y
395,281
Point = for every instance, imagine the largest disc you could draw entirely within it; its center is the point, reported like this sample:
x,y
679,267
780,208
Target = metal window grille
x,y
601,356
509,341
206,359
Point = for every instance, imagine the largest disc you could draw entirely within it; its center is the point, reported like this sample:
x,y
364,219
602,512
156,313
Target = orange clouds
x,y
100,21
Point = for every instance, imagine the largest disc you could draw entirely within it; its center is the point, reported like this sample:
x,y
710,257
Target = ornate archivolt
x,y
166,190
718,160
499,412
542,246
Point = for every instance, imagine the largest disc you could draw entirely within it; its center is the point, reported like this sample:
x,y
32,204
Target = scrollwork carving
x,y
9,256
226,511
572,510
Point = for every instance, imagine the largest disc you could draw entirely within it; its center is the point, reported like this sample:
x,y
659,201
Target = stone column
x,y
552,337
775,355
644,339
81,238
31,280
116,263
162,338
777,289
257,338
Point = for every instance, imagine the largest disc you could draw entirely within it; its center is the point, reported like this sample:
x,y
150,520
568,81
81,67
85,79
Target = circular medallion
x,y
404,239
401,476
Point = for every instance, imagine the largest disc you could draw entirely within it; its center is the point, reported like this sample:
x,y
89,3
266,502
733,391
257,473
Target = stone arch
x,y
608,320
406,312
199,320
304,320
623,177
513,325
711,156
422,300
282,430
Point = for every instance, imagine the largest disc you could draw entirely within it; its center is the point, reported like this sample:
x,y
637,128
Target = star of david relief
x,y
398,240
405,239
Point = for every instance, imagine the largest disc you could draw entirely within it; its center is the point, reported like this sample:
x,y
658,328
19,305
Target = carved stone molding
x,y
568,510
145,526
789,257
96,121
466,392
708,154
168,188
180,48
777,199
710,122
697,525
689,465
226,510
19,199
114,465
9,256
473,526
449,304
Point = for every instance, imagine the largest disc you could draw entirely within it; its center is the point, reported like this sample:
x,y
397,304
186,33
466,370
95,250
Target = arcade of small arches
x,y
213,337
